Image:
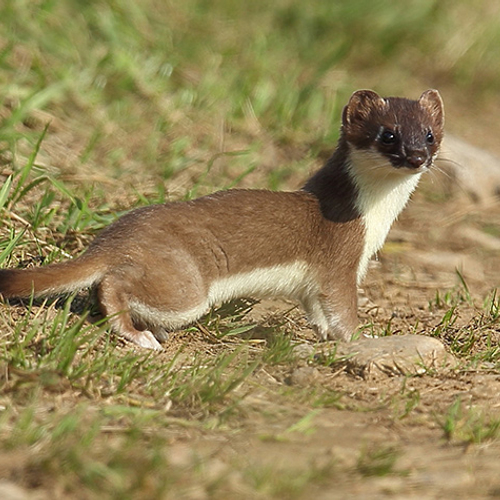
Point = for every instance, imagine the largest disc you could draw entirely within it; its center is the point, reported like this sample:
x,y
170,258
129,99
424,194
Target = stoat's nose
x,y
416,159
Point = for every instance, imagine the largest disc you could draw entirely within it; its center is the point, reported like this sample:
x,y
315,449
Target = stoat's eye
x,y
430,138
388,137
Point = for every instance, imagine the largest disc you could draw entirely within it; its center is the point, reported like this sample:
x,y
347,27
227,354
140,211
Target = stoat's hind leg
x,y
115,306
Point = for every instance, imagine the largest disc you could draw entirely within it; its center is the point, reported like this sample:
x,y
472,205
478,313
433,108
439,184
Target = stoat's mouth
x,y
410,164
415,170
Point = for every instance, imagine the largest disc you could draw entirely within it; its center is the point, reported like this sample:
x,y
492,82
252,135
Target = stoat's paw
x,y
147,340
339,332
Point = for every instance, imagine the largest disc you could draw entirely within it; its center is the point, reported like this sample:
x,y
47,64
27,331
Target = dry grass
x,y
110,105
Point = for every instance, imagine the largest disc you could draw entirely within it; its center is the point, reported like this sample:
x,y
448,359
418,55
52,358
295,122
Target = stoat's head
x,y
405,133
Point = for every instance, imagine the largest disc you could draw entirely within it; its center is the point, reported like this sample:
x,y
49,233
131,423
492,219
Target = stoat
x,y
161,267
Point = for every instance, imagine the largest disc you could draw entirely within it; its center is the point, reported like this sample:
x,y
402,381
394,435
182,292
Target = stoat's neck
x,y
334,187
382,193
362,184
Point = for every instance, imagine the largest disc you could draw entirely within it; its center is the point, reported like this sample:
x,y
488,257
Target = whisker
x,y
443,159
438,180
436,169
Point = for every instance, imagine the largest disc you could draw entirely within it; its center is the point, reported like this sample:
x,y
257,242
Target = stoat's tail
x,y
54,279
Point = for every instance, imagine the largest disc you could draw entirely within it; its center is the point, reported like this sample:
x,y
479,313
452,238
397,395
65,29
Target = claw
x,y
160,333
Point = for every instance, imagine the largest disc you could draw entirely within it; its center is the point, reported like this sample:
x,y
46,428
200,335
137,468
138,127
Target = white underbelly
x,y
292,281
286,280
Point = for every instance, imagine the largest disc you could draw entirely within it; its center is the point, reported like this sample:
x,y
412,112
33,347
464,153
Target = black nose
x,y
416,160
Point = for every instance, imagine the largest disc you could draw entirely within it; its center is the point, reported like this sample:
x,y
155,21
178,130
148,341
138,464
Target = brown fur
x,y
157,263
368,114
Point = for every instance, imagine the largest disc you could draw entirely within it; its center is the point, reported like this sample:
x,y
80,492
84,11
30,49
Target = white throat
x,y
383,192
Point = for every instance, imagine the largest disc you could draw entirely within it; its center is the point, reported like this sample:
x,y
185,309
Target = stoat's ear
x,y
431,100
360,106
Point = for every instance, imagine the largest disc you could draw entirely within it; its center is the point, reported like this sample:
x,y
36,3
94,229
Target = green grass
x,y
469,425
167,86
378,461
107,105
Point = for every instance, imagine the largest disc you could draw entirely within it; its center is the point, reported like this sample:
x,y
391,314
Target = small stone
x,y
302,376
304,351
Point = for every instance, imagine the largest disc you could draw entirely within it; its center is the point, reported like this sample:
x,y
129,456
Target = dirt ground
x,y
397,421
306,427
379,437
425,249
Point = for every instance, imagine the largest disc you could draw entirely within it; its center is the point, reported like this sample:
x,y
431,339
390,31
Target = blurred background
x,y
106,105
183,97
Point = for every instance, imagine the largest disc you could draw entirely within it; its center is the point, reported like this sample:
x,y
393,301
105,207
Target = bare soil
x,y
379,437
399,416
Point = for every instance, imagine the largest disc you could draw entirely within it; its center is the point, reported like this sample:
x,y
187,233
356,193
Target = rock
x,y
477,237
395,355
304,351
469,267
302,376
11,491
474,171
